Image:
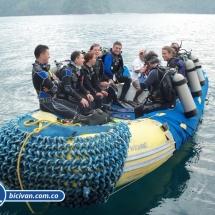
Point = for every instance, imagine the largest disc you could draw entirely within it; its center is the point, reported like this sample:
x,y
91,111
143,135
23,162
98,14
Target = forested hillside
x,y
49,7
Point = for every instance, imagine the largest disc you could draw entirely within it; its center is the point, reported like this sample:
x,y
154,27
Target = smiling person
x,y
114,67
72,86
156,99
46,87
90,81
168,54
106,83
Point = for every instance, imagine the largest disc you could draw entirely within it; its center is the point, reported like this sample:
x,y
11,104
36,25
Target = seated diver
x,y
168,54
114,67
156,100
90,80
137,72
105,82
46,87
176,48
71,83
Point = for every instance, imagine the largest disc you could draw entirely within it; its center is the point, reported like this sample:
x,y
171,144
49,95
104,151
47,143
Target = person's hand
x,y
99,94
54,76
90,97
46,89
111,81
84,102
104,84
144,68
104,93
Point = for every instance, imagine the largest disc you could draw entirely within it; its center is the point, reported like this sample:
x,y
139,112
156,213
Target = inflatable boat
x,y
38,152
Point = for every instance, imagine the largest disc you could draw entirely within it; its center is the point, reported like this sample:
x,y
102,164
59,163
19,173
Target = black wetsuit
x,y
112,89
48,101
92,84
113,64
156,101
72,88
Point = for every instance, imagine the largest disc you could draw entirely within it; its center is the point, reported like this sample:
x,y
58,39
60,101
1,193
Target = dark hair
x,y
39,50
175,45
169,49
117,43
75,55
88,56
94,45
151,57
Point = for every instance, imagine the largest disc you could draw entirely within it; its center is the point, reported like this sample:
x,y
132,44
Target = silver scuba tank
x,y
58,66
184,95
54,69
192,77
198,69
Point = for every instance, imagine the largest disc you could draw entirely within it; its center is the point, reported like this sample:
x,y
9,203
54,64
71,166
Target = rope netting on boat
x,y
85,168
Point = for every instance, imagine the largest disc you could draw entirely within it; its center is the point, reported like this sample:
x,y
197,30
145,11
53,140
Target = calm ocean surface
x,y
185,184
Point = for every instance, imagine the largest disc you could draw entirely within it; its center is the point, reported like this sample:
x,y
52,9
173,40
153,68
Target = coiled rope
x,y
36,130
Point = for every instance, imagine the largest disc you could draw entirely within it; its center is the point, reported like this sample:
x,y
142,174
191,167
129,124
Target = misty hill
x,y
53,7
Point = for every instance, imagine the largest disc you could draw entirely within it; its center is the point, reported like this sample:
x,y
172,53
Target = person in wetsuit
x,y
168,54
72,83
106,83
46,87
176,48
91,81
113,66
156,100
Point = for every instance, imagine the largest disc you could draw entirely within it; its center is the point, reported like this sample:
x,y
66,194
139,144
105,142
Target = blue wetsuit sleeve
x,y
107,65
151,79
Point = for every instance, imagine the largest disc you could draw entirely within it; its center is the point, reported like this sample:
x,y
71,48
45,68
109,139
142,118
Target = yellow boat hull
x,y
150,146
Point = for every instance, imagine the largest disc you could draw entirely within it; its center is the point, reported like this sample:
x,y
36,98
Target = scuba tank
x,y
192,77
198,69
185,97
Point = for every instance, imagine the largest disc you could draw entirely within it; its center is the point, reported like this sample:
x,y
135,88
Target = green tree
x,y
48,7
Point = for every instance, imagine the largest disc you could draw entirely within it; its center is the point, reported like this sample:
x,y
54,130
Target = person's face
x,y
45,56
175,45
96,50
79,61
117,49
141,56
93,60
166,55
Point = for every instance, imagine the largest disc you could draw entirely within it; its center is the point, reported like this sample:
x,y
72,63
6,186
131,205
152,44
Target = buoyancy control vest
x,y
117,63
42,77
99,69
164,90
75,74
90,71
